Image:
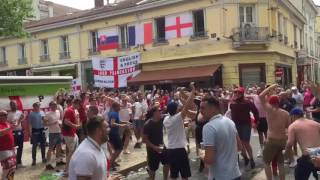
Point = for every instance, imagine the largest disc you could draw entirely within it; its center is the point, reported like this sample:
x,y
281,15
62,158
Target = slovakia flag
x,y
140,34
108,39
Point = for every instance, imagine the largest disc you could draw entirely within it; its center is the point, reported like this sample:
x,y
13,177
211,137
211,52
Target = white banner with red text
x,y
114,72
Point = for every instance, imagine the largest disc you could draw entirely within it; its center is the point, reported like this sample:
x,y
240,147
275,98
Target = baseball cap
x,y
172,108
274,100
296,112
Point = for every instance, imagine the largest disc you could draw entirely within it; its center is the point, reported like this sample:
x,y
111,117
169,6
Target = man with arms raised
x,y
306,132
174,124
278,121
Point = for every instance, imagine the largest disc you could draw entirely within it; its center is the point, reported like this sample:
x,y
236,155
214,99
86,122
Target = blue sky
x,y
87,4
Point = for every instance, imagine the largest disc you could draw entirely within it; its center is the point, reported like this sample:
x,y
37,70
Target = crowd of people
x,y
92,130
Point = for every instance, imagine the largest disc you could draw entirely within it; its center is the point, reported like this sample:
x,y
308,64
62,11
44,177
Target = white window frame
x,y
254,14
95,41
64,45
123,41
42,42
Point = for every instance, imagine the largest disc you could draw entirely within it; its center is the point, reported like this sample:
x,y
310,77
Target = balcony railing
x,y
199,35
250,35
93,51
160,41
3,63
44,57
123,47
22,61
64,55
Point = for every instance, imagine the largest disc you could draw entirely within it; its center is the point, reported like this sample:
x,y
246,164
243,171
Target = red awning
x,y
174,75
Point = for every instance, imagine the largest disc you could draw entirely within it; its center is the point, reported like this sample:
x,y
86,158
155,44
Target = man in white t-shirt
x,y
174,124
15,118
139,109
53,121
125,115
89,160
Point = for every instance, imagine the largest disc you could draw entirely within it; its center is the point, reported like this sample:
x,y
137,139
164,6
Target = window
x,y
64,48
251,74
285,29
22,54
280,24
123,36
301,39
3,56
160,28
247,14
311,46
44,50
93,41
198,18
295,36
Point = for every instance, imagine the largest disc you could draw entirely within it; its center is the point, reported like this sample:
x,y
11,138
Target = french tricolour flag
x,y
140,33
108,39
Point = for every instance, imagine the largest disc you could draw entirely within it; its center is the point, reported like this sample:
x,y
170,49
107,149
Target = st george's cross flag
x,y
180,25
108,39
141,33
113,72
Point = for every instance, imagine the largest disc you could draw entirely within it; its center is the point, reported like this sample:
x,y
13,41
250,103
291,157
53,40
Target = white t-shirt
x,y
13,118
125,112
88,160
52,117
139,109
175,129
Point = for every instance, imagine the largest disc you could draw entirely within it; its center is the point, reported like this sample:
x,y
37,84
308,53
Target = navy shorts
x,y
138,124
244,131
54,139
115,141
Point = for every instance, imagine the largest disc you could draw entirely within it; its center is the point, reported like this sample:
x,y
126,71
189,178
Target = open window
x,y
198,19
160,30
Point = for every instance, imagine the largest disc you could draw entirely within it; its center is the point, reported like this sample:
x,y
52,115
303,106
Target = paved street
x,y
133,163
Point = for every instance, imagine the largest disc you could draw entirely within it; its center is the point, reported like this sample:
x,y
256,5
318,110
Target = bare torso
x,y
307,133
278,121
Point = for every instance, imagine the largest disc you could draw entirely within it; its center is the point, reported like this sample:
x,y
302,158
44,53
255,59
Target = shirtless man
x,y
306,133
278,121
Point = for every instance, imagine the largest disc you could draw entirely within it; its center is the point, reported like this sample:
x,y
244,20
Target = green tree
x,y
13,13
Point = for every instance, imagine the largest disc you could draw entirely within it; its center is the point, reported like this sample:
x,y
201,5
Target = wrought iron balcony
x,y
160,41
250,36
93,51
44,58
123,47
64,55
199,35
22,61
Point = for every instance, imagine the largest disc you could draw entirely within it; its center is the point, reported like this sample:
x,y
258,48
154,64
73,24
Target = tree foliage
x,y
13,13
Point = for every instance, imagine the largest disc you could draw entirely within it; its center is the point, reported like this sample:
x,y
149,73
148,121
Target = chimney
x,y
98,3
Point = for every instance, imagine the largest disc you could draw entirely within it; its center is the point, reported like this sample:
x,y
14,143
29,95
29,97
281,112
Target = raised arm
x,y
263,95
186,107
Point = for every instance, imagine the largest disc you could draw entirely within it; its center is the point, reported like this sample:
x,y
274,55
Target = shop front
x,y
169,79
70,69
17,72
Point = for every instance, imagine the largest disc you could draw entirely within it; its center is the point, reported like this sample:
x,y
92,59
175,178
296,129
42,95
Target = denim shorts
x,y
54,139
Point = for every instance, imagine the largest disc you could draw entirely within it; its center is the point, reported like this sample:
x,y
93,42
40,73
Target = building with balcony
x,y
240,42
307,60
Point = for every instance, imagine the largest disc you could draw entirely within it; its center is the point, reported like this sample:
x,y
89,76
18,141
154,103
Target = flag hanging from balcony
x,y
108,39
113,72
180,25
141,33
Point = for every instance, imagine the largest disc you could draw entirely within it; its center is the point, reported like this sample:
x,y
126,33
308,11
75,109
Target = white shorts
x,y
71,142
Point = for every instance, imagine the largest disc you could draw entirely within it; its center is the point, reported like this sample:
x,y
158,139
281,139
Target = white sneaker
x,y
259,155
293,164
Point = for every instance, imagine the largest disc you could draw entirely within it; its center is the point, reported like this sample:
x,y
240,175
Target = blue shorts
x,y
54,139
